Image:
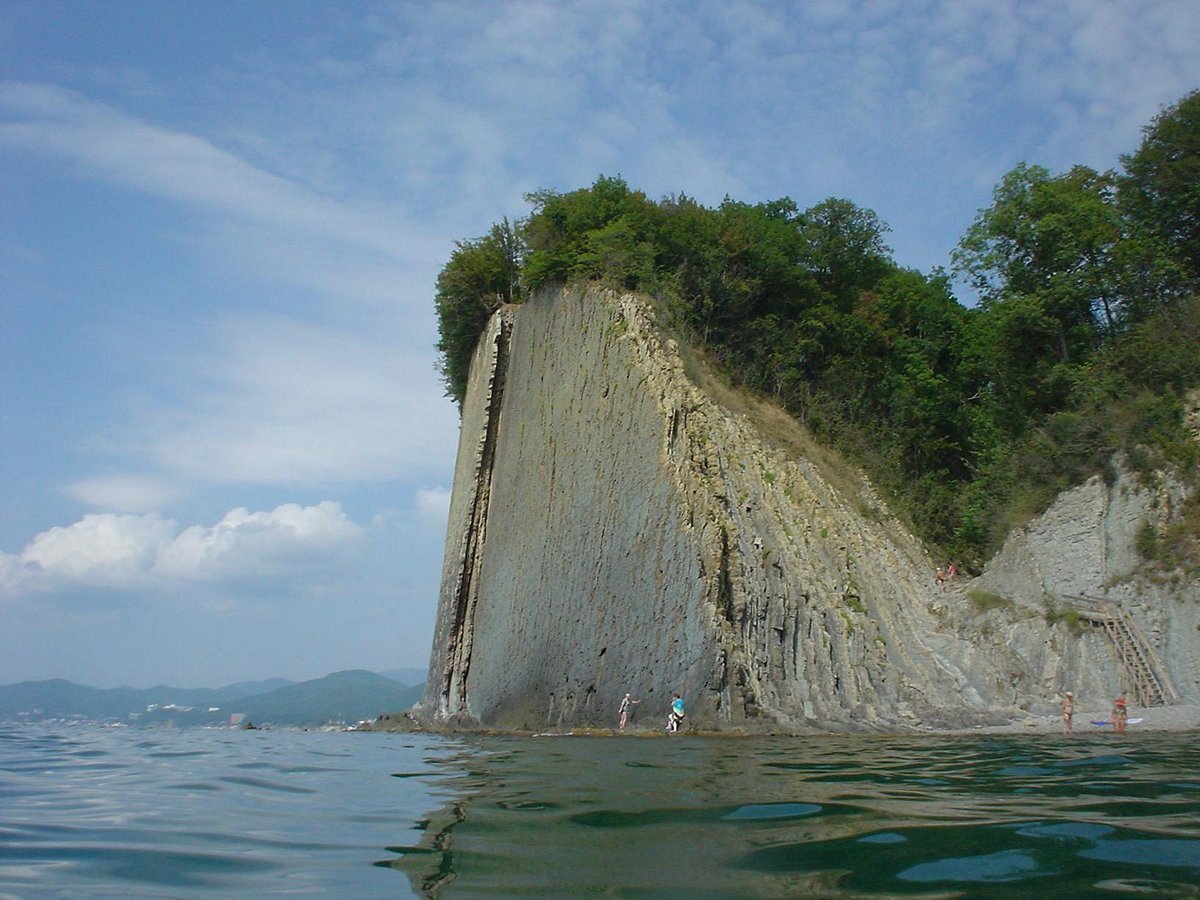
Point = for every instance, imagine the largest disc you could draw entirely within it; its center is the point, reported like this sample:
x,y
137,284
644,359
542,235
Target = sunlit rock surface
x,y
614,528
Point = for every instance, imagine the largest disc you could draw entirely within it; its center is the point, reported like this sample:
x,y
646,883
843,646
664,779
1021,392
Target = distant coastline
x,y
341,698
1160,719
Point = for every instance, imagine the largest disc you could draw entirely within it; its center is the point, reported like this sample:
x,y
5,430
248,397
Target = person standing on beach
x,y
1068,710
626,710
676,715
1120,714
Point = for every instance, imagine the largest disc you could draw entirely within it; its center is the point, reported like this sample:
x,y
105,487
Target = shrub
x,y
986,601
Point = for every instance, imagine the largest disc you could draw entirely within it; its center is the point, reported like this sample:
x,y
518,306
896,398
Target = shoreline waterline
x,y
1159,719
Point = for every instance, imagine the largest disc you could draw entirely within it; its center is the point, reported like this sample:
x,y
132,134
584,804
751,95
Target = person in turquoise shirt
x,y
677,713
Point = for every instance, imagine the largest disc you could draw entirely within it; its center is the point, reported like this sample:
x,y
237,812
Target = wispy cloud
x,y
124,493
106,143
278,401
279,227
458,108
336,385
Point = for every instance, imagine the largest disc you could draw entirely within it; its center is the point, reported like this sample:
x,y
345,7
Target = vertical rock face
x,y
615,529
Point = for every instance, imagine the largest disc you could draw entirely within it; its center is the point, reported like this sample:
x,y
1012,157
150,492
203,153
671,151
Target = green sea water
x,y
91,812
827,816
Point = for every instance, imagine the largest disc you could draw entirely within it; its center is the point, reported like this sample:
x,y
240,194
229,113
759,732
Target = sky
x,y
225,449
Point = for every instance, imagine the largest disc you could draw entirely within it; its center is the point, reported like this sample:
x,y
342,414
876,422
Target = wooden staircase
x,y
1151,684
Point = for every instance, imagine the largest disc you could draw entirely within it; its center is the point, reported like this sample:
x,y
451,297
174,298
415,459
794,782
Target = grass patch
x,y
986,601
1069,616
1146,541
774,425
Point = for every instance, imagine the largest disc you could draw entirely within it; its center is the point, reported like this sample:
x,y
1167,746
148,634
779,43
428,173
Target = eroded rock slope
x,y
614,528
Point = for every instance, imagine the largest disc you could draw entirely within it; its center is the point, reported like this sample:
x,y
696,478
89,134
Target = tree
x,y
1082,345
756,272
843,248
481,276
617,253
1045,260
1052,240
596,232
1161,187
922,330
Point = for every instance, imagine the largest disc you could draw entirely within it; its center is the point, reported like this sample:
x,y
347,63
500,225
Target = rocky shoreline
x,y
1181,717
1171,719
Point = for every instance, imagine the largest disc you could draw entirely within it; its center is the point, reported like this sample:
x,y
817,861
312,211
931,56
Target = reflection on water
x,y
93,812
126,813
829,816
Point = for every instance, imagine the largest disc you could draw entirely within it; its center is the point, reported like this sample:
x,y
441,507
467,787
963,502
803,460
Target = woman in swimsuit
x,y
1120,714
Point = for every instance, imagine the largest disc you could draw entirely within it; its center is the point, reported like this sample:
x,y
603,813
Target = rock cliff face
x,y
615,528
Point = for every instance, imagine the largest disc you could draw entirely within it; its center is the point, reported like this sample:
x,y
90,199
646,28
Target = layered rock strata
x,y
613,528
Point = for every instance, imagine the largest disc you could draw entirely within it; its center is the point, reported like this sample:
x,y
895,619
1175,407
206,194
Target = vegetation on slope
x,y
1082,344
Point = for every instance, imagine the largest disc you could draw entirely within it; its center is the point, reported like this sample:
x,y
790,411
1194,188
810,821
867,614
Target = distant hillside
x,y
253,688
343,696
406,676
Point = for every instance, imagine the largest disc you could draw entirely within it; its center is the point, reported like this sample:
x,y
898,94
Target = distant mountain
x,y
407,676
341,697
252,688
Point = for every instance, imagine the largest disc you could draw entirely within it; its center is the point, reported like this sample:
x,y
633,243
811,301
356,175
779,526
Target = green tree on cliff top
x,y
481,276
1081,346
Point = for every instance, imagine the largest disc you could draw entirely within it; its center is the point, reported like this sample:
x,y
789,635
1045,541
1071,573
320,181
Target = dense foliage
x,y
1082,343
481,276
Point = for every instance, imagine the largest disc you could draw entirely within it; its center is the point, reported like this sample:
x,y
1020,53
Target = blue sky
x,y
224,447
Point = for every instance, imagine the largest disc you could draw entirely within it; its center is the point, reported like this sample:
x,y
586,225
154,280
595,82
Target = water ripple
x,y
102,812
851,816
90,812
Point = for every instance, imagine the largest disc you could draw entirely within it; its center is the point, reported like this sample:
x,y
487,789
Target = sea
x,y
88,811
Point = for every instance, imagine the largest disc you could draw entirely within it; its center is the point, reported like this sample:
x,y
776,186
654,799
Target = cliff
x,y
614,527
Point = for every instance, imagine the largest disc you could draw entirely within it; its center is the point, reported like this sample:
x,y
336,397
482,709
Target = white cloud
x,y
104,550
246,545
433,505
149,552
